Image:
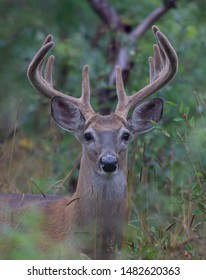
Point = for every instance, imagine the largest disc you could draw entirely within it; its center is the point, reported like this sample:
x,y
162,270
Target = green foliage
x,y
169,165
18,242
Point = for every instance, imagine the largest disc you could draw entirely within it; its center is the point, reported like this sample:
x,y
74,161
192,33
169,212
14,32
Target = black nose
x,y
108,163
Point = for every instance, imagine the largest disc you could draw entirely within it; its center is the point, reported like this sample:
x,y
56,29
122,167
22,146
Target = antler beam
x,y
44,84
163,67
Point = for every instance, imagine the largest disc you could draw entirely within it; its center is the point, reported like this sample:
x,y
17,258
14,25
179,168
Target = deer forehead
x,y
111,122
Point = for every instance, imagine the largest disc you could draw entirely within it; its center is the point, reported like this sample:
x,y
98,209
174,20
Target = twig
x,y
110,17
123,58
106,13
153,17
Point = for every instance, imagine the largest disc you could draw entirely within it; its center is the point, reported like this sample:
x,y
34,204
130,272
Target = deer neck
x,y
101,196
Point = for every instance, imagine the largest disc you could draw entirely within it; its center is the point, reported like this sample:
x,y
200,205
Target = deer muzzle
x,y
108,163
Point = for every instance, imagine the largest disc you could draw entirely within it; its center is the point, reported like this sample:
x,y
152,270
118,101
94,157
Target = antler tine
x,y
155,64
163,67
44,85
34,69
122,98
85,98
48,70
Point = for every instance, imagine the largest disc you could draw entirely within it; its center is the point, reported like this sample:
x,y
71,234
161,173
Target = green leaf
x,y
166,133
199,174
153,122
192,122
186,110
171,103
178,119
191,32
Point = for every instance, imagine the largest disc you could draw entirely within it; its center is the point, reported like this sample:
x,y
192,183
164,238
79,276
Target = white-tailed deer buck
x,y
93,220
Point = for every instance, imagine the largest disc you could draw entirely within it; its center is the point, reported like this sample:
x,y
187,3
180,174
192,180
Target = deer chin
x,y
108,174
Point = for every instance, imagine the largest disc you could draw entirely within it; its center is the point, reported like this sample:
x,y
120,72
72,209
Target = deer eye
x,y
125,136
88,136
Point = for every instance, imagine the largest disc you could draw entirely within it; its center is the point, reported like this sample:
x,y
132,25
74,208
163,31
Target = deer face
x,y
105,139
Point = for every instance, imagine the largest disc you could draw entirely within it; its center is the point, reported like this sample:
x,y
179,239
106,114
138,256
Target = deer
x,y
94,219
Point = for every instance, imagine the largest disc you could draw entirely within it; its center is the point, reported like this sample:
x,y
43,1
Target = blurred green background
x,y
167,166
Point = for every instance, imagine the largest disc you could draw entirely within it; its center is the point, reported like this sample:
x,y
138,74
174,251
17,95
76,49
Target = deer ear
x,y
66,115
144,114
